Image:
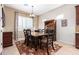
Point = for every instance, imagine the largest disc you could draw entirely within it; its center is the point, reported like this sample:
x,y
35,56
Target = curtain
x,y
24,23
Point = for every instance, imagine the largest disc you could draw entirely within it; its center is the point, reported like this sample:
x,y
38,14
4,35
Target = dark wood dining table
x,y
37,36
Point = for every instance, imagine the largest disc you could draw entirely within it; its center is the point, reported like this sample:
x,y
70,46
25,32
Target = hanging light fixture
x,y
32,14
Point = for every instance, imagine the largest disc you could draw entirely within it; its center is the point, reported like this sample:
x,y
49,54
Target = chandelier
x,y
32,14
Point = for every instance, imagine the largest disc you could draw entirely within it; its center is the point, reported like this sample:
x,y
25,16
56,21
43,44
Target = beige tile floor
x,y
10,51
65,50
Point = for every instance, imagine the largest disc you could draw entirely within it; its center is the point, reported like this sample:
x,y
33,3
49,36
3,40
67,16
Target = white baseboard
x,y
66,42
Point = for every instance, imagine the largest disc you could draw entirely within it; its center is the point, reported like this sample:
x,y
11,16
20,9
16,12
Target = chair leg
x,y
27,43
31,44
47,49
53,46
40,43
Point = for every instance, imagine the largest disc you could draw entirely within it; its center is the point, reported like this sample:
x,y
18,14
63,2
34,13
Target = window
x,y
24,23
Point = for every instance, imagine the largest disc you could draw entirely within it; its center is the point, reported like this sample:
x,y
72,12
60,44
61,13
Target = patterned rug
x,y
26,50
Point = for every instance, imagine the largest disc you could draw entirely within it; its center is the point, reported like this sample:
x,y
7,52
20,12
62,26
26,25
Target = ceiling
x,y
38,9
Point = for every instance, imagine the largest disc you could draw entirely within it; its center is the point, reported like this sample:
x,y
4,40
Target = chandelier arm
x,y
32,9
32,14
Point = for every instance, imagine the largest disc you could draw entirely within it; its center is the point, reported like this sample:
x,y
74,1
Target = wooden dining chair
x,y
30,38
37,31
47,41
26,37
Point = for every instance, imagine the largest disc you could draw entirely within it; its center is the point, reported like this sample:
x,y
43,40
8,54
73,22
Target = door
x,y
0,29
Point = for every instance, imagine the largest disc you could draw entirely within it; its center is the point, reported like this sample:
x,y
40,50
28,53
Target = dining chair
x,y
37,30
30,38
47,41
25,36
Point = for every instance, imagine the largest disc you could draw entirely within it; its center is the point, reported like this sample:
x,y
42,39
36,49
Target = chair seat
x,y
45,41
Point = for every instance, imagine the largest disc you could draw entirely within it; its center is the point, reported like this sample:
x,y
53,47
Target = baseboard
x,y
65,42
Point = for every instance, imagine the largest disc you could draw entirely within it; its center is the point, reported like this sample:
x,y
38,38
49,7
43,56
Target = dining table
x,y
37,37
36,34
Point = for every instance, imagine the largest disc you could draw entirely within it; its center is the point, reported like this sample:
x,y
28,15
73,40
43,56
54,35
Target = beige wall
x,y
9,20
64,34
1,37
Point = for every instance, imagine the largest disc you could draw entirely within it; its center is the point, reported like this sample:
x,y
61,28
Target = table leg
x,y
40,43
35,43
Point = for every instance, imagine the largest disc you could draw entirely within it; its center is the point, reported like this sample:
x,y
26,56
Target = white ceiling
x,y
38,9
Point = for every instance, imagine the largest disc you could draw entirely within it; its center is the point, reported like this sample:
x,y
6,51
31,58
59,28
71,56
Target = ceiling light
x,y
32,14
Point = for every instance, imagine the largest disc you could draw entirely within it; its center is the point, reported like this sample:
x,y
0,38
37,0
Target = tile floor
x,y
65,50
10,51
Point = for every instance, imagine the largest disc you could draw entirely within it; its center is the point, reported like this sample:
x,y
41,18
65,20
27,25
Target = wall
x,y
1,30
9,20
64,34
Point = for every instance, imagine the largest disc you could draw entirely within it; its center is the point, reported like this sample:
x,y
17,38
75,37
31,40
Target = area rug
x,y
26,50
